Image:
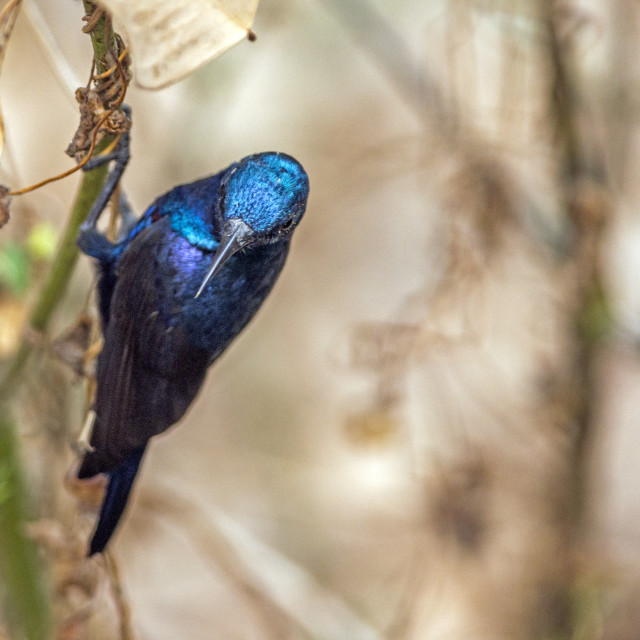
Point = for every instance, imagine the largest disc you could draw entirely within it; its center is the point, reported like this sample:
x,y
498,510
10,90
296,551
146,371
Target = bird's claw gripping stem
x,y
88,232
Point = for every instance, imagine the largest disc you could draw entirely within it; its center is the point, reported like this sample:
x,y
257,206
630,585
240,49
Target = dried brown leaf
x,y
71,348
4,191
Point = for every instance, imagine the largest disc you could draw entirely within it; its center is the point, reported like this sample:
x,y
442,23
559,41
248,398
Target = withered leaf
x,y
170,39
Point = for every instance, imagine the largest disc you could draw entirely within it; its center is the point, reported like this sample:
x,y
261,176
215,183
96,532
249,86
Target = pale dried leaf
x,y
171,38
7,20
8,17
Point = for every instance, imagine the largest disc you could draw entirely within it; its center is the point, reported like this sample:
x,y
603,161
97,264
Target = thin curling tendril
x,y
94,135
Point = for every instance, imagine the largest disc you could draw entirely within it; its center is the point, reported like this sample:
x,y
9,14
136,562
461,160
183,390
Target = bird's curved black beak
x,y
235,235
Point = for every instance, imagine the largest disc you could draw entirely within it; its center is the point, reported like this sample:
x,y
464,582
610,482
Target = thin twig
x,y
119,597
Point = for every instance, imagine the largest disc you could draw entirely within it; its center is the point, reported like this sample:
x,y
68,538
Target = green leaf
x,y
42,241
14,268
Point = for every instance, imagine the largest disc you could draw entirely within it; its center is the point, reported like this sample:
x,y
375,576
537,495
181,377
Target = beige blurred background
x,y
384,452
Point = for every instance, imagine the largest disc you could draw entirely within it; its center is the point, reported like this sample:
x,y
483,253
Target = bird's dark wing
x,y
148,373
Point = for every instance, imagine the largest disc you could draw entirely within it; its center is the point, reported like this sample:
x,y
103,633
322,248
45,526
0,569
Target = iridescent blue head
x,y
262,199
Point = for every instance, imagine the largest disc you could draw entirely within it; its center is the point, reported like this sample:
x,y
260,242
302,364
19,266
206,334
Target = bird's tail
x,y
115,500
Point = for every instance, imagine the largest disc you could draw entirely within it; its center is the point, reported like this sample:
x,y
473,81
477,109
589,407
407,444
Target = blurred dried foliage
x,y
430,431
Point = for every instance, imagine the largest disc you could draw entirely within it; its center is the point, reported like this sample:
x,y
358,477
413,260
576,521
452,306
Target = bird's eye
x,y
288,225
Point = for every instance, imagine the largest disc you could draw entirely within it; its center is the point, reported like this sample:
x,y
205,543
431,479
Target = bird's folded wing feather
x,y
148,373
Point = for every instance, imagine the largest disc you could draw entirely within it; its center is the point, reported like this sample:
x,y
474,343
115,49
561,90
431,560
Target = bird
x,y
172,295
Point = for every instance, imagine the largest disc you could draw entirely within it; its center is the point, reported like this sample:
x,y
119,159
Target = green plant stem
x,y
22,574
102,40
19,566
101,37
22,578
67,255
59,275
